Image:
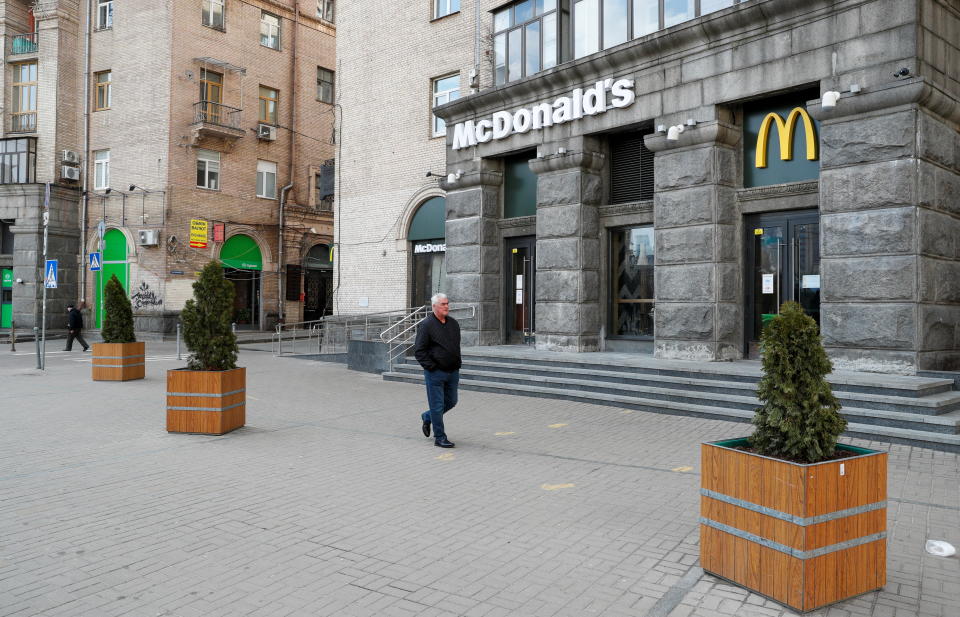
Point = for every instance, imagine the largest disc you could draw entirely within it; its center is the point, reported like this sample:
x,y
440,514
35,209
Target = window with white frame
x,y
269,30
325,85
325,10
266,179
208,169
104,14
101,170
442,8
445,89
212,14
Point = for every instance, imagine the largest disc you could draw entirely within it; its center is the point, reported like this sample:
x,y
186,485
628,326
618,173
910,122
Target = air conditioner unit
x,y
69,156
266,132
148,237
70,173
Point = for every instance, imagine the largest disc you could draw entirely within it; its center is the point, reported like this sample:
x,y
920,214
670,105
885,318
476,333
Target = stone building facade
x,y
754,152
212,115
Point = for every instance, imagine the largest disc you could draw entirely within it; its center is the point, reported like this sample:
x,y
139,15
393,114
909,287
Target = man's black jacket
x,y
74,320
438,344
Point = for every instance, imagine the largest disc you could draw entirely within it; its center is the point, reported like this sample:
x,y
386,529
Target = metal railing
x,y
330,335
401,336
216,113
23,122
24,43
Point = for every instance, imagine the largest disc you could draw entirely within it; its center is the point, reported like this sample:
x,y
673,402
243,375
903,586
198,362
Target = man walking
x,y
74,326
438,351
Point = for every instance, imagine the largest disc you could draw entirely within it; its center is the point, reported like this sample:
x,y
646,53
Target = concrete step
x,y
736,395
939,432
744,371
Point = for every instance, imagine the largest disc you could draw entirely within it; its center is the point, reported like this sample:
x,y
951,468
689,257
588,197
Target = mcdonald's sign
x,y
780,125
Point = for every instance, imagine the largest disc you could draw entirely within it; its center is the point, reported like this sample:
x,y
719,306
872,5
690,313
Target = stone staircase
x,y
917,411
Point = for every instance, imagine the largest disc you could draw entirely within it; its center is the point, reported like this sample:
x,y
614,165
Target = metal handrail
x,y
211,112
330,334
404,338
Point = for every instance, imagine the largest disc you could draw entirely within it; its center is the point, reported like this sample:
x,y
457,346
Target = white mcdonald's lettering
x,y
429,248
597,99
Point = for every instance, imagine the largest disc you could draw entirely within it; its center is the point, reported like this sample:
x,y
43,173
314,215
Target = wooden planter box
x,y
802,535
118,361
206,402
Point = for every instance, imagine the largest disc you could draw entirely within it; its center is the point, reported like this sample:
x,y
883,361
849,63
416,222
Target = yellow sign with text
x,y
198,233
785,132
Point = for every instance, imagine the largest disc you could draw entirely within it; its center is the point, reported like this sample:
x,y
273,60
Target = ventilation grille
x,y
631,168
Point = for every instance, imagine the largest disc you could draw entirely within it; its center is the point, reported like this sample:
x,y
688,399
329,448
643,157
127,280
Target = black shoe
x,y
426,428
86,349
443,443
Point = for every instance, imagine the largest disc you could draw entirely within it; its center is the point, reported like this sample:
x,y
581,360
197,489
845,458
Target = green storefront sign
x,y
6,298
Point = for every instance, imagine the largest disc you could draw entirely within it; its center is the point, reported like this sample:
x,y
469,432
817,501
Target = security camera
x,y
902,72
132,187
107,192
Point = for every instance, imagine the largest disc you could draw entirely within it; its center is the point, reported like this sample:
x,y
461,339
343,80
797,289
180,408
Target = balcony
x,y
216,120
23,122
21,44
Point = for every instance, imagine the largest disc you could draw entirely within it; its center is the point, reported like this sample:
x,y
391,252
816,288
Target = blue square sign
x,y
50,276
95,262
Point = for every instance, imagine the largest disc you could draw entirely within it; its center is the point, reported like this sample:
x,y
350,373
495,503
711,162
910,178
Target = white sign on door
x,y
768,283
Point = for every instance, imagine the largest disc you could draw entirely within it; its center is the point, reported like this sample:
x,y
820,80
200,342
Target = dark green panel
x,y
241,252
6,307
519,186
114,246
778,171
428,222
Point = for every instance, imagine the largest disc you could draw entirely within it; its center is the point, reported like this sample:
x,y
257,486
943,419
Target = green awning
x,y
241,252
428,223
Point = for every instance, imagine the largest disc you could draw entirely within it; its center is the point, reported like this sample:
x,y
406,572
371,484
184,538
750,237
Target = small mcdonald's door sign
x,y
198,233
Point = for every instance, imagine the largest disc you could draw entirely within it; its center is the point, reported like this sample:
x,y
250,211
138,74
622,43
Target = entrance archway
x,y
317,283
428,247
113,263
242,265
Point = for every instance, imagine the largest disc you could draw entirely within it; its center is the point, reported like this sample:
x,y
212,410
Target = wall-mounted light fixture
x,y
561,150
829,99
433,174
661,128
673,133
451,178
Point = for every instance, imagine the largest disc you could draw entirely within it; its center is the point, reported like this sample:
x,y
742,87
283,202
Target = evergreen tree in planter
x,y
119,357
118,314
799,419
206,322
211,375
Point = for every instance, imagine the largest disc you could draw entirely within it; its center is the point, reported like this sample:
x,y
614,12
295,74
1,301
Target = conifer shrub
x,y
799,419
206,322
118,314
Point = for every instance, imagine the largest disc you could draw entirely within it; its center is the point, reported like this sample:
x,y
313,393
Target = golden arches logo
x,y
785,131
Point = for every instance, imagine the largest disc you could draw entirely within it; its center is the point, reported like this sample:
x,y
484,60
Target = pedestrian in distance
x,y
74,327
437,349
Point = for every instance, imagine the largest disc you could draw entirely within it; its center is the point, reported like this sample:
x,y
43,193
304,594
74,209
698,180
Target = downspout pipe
x,y
84,161
280,281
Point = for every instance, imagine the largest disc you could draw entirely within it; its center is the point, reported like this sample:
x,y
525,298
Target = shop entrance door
x,y
246,298
520,267
783,264
318,293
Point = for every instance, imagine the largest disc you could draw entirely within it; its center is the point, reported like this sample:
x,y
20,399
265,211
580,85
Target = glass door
x,y
783,265
520,268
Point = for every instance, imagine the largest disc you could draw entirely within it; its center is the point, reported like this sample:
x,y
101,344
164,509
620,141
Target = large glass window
x,y
24,116
18,159
525,39
445,89
601,24
269,30
104,81
208,169
266,179
101,170
104,14
269,99
212,14
632,302
442,8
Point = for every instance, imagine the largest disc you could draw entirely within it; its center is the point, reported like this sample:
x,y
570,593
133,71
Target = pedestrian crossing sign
x,y
94,262
50,278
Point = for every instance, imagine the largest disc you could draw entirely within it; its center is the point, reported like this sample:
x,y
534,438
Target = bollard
x,y
178,341
13,336
36,338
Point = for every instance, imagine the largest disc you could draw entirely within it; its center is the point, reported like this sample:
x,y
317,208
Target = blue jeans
x,y
441,396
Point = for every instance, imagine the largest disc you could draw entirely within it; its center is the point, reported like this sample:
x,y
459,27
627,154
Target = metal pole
x,y
178,341
13,336
43,324
36,339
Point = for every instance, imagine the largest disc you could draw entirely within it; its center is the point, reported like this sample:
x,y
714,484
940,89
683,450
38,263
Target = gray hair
x,y
436,298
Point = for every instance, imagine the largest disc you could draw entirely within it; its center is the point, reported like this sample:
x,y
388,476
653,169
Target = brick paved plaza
x,y
331,502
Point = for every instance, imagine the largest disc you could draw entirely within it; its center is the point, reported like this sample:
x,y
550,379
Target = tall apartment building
x,y
196,130
658,176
